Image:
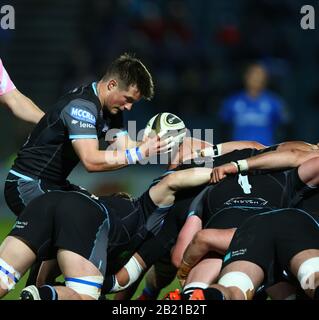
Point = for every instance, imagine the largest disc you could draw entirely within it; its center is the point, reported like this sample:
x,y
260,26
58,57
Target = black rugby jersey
x,y
48,152
264,191
161,244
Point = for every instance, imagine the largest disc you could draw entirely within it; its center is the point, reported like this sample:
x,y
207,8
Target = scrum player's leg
x,y
238,281
201,276
160,275
305,266
82,278
15,259
81,230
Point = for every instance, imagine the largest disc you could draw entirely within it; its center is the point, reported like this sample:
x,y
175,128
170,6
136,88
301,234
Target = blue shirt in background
x,y
254,118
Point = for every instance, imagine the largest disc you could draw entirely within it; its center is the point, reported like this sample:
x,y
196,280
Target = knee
x,y
240,285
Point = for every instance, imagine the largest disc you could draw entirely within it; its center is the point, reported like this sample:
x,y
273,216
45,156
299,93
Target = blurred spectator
x,y
254,113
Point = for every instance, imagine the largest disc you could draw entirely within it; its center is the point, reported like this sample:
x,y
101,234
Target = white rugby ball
x,y
168,123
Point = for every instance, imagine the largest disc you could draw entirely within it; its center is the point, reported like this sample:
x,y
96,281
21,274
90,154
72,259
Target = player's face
x,y
119,99
256,78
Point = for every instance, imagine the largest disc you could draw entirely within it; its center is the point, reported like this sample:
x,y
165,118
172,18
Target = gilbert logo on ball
x,y
7,18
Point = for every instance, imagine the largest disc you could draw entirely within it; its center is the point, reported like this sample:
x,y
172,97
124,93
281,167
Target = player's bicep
x,y
85,148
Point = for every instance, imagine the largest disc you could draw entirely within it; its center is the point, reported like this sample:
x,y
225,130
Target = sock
x,y
186,295
48,293
316,295
213,294
189,289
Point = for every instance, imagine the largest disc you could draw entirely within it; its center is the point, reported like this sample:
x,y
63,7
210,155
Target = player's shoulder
x,y
83,96
80,102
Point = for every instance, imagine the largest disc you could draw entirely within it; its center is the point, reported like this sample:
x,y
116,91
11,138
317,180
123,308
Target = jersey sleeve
x,y
197,206
296,189
6,85
79,118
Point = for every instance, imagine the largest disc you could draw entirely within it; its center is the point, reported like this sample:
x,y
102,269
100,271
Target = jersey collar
x,y
94,87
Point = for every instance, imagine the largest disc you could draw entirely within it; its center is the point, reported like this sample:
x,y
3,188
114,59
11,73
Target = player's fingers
x,y
165,142
213,176
166,148
221,175
217,175
162,133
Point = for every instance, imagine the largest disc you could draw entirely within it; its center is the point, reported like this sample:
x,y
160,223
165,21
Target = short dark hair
x,y
129,70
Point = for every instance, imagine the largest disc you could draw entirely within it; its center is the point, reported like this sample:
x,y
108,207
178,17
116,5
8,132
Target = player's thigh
x,y
17,253
74,265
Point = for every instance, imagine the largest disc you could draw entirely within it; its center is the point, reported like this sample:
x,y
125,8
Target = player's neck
x,y
253,93
100,95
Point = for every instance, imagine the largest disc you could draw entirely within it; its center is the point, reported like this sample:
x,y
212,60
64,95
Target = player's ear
x,y
112,84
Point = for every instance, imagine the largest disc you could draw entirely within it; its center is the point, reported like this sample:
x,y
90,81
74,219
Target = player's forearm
x,y
22,107
199,144
238,145
94,159
300,145
105,160
226,147
189,178
125,142
280,159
